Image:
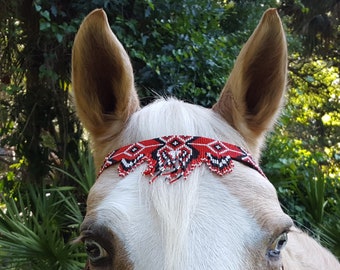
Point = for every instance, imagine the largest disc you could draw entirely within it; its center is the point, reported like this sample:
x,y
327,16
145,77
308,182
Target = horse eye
x,y
281,241
94,251
277,246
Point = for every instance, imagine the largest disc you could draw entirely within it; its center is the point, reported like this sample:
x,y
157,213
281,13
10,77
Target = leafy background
x,y
178,48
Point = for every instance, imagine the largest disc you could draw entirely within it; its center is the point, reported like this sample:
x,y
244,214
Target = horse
x,y
179,186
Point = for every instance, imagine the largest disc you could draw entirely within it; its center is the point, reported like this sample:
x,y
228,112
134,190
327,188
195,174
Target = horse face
x,y
205,220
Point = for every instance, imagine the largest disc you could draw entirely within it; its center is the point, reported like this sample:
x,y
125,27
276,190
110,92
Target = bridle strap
x,y
177,156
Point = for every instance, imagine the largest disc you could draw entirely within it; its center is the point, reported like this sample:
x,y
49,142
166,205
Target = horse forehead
x,y
246,186
184,215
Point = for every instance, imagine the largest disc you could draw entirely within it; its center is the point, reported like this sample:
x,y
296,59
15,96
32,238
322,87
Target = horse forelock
x,y
174,117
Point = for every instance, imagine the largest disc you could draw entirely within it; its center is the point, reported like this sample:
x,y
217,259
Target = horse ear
x,y
102,78
252,97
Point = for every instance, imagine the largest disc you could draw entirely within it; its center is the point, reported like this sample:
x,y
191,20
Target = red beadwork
x,y
177,156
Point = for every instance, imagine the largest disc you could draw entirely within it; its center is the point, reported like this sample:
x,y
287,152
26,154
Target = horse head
x,y
181,187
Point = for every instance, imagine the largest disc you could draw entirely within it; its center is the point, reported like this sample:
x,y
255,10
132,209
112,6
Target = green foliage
x,y
184,49
307,193
42,223
82,171
315,23
301,159
35,84
36,231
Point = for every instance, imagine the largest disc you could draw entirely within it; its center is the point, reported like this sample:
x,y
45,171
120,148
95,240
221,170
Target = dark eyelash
x,y
78,240
85,234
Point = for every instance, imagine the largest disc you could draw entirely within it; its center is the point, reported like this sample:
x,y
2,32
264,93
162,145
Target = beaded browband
x,y
177,156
